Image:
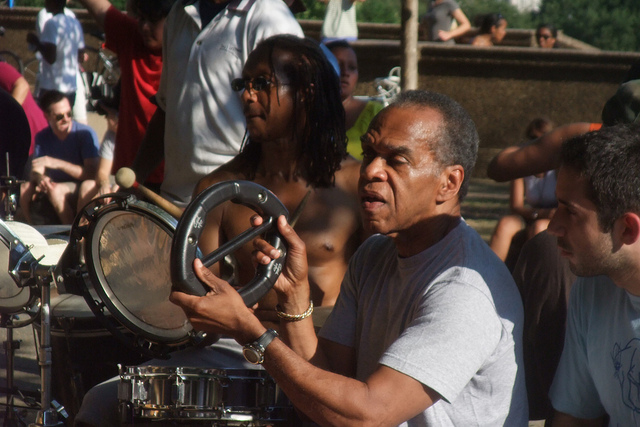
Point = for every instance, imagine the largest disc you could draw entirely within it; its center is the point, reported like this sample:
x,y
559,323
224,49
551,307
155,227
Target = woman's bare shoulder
x,y
232,170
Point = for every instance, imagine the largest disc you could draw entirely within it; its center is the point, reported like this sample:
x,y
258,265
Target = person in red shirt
x,y
14,83
138,44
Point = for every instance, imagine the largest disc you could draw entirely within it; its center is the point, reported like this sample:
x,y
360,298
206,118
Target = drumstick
x,y
298,211
126,178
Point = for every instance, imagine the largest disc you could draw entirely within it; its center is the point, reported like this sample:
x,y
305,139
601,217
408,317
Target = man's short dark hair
x,y
338,44
608,159
552,29
49,98
310,75
153,10
487,21
458,140
59,4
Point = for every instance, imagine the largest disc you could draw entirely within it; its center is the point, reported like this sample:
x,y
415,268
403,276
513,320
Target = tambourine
x,y
184,247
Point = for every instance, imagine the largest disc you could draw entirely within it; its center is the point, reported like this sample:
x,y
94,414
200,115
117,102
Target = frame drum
x,y
126,248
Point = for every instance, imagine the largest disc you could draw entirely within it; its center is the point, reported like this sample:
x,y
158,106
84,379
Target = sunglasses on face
x,y
258,84
59,117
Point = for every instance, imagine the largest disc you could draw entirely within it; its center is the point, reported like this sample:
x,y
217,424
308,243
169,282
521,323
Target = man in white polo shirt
x,y
200,118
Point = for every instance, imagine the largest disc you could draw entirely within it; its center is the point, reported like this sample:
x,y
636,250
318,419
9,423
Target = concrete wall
x,y
503,88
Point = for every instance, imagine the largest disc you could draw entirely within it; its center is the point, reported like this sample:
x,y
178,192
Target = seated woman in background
x,y
436,23
546,36
538,191
358,113
493,28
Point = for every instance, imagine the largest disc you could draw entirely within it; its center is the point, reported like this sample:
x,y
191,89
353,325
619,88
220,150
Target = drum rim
x,y
119,311
157,370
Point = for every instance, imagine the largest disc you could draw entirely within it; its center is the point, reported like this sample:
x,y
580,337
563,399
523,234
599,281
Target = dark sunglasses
x,y
62,116
258,84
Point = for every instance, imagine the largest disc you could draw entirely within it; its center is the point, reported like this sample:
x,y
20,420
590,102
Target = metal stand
x,y
10,190
47,416
10,186
11,416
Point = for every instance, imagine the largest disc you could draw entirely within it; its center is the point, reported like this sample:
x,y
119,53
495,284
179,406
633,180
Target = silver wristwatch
x,y
254,352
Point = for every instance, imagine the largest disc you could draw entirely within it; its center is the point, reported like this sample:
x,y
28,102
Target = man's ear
x,y
450,181
629,231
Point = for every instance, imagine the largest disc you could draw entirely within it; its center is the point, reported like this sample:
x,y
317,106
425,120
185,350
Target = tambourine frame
x,y
99,295
184,248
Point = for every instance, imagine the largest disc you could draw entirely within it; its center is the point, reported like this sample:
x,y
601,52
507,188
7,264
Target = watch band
x,y
254,352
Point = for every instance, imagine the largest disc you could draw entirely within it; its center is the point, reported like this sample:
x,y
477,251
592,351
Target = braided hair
x,y
322,136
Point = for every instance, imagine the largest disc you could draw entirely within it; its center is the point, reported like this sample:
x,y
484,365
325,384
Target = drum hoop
x,y
189,371
118,310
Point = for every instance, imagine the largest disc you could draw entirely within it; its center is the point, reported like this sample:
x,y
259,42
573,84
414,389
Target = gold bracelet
x,y
294,317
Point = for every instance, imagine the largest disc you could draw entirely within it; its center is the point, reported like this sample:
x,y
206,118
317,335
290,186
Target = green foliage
x,y
388,11
120,4
382,11
315,10
29,3
607,24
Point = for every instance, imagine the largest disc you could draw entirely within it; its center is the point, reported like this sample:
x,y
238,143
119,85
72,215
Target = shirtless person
x,y
295,145
291,150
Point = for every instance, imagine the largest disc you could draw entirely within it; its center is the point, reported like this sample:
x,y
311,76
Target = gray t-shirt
x,y
598,370
450,317
439,17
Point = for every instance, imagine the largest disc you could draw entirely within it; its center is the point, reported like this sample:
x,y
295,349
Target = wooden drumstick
x,y
126,178
298,211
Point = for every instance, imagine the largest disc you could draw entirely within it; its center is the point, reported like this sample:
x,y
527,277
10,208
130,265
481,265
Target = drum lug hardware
x,y
124,202
60,409
99,305
78,232
89,211
140,391
196,337
177,391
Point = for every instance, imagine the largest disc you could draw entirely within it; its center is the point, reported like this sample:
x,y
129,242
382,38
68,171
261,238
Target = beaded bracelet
x,y
294,317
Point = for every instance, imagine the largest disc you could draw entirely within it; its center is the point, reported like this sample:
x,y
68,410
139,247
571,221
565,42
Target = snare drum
x,y
126,246
233,397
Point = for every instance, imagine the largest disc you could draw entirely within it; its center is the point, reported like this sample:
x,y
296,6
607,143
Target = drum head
x,y
127,252
15,299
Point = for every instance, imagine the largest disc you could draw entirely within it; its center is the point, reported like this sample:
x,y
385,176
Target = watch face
x,y
252,355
